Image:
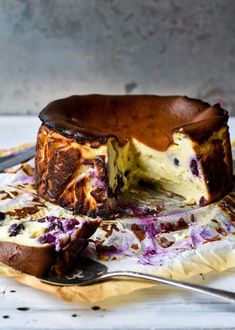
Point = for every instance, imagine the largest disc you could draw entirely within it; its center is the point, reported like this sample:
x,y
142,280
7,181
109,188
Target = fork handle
x,y
226,295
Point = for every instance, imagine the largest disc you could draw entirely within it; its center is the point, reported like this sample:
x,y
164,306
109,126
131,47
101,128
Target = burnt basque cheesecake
x,y
92,148
41,246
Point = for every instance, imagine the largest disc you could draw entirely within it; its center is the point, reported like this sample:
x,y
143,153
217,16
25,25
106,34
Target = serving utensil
x,y
9,161
89,272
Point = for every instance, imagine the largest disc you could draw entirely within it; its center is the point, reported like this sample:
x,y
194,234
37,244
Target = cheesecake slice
x,y
90,149
49,244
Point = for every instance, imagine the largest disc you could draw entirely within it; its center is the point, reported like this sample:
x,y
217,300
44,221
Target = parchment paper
x,y
217,256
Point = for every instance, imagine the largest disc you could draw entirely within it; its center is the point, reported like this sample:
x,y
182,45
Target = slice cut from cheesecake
x,y
38,247
90,149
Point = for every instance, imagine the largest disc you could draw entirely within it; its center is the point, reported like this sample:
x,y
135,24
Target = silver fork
x,y
90,272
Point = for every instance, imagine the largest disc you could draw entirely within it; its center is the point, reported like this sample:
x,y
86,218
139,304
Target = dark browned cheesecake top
x,y
148,118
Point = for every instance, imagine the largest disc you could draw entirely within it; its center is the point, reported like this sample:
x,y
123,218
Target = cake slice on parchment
x,y
90,149
37,237
43,245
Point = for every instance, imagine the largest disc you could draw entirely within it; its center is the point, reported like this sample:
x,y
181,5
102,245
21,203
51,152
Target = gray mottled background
x,y
53,48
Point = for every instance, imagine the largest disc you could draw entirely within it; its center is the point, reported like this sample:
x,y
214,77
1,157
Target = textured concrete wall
x,y
54,48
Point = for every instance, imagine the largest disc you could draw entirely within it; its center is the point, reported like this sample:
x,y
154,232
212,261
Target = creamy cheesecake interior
x,y
175,170
21,232
41,232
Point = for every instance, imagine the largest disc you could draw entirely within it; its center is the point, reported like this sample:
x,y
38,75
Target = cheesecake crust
x,y
67,175
88,118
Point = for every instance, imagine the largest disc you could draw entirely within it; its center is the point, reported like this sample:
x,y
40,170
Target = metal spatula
x,y
90,272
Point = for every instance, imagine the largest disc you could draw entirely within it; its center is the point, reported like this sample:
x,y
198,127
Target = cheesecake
x,y
93,148
45,245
